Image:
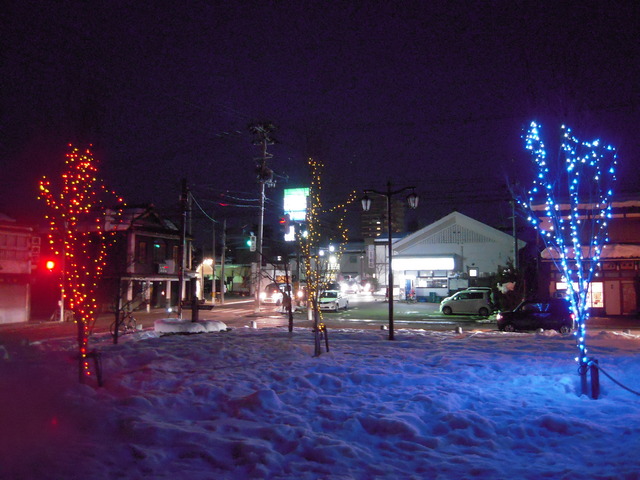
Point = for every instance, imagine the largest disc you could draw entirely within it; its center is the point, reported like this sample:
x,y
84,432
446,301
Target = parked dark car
x,y
551,314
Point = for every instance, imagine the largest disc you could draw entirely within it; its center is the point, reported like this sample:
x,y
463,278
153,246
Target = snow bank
x,y
258,404
176,325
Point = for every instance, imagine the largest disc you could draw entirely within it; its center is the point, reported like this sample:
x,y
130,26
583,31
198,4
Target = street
x,y
364,312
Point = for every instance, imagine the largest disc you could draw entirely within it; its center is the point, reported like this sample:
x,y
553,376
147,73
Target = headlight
x,y
263,295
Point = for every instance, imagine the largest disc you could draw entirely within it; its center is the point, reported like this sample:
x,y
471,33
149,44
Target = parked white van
x,y
470,301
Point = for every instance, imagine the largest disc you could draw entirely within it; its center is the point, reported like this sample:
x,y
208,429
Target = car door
x,y
459,301
475,302
559,314
549,318
528,316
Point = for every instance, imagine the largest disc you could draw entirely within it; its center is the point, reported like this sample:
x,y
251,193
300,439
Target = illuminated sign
x,y
295,203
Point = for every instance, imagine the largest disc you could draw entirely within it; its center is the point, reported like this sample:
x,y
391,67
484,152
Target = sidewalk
x,y
38,329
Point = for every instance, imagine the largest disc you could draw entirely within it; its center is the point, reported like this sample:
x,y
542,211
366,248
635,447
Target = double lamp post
x,y
412,200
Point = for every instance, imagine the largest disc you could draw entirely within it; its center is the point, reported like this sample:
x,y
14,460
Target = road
x,y
364,312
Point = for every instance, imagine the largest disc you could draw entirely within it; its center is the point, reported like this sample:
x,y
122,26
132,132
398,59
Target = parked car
x,y
551,314
332,300
471,301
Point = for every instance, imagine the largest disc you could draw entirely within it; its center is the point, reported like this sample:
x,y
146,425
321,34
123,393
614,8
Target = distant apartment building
x,y
374,221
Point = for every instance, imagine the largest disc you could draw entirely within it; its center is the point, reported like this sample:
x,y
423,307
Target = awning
x,y
424,263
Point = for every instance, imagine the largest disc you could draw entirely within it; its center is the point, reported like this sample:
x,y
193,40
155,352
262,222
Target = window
x,y
159,251
433,283
142,252
532,307
595,294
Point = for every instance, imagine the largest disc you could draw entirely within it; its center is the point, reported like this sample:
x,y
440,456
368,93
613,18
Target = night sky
x,y
431,94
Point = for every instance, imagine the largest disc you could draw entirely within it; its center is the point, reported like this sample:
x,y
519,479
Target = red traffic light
x,y
50,265
284,221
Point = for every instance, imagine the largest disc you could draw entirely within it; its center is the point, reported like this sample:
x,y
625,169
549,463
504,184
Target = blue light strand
x,y
586,184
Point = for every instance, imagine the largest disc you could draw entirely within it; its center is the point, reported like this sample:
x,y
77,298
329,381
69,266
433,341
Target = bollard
x,y
323,332
595,378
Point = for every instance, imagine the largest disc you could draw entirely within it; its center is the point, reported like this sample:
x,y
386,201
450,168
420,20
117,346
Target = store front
x,y
615,285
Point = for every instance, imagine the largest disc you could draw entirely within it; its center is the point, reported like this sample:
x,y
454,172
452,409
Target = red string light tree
x,y
82,225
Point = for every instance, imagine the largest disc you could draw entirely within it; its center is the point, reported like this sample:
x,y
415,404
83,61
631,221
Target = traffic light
x,y
50,265
251,243
287,228
284,223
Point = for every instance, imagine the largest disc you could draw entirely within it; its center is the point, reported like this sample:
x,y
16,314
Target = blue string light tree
x,y
569,204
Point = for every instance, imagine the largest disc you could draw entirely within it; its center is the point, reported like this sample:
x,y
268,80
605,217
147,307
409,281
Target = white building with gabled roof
x,y
443,256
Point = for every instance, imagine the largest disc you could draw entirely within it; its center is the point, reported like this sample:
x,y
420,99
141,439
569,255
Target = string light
x,y
76,232
579,231
319,272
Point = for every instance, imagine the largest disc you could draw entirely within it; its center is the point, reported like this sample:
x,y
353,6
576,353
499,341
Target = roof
x,y
609,252
454,228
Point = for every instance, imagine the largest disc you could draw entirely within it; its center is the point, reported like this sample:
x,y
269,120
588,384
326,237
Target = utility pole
x,y
515,237
183,240
213,263
222,260
262,136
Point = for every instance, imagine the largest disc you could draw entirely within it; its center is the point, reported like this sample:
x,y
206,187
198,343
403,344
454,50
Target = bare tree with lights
x,y
319,268
80,232
569,204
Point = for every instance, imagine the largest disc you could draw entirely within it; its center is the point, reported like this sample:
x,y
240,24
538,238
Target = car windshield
x,y
330,295
534,307
272,289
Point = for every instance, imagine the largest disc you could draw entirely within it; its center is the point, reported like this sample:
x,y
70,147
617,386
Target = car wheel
x,y
446,310
484,312
509,328
565,329
346,305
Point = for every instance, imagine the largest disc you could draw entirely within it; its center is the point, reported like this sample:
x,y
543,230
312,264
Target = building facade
x,y
452,253
374,221
615,288
19,251
144,263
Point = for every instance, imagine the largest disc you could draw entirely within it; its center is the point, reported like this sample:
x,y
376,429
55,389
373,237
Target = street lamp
x,y
412,200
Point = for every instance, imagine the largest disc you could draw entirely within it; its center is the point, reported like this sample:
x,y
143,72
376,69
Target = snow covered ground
x,y
255,403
